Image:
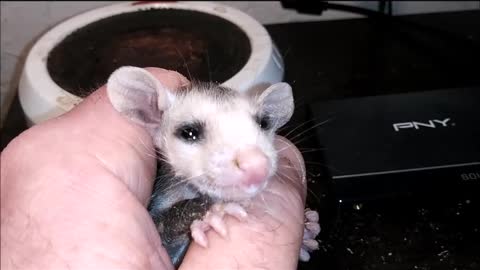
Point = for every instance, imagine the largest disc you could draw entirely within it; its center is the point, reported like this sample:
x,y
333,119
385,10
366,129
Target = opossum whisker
x,y
291,180
179,182
301,140
266,206
148,150
297,126
292,167
185,64
311,150
309,129
309,191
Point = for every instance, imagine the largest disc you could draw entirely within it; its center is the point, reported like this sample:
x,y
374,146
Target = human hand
x,y
74,191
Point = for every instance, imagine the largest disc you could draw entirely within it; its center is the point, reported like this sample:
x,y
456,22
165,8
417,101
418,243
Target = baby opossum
x,y
215,146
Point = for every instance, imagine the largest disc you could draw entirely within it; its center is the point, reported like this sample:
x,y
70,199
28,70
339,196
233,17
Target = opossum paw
x,y
213,219
310,232
232,209
198,230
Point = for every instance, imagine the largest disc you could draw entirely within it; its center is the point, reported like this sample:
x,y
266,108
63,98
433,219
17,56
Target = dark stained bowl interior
x,y
198,45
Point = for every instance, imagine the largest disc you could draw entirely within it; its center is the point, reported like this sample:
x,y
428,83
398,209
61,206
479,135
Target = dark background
x,y
429,229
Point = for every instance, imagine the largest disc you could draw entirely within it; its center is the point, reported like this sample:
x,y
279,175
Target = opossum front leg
x,y
162,201
214,219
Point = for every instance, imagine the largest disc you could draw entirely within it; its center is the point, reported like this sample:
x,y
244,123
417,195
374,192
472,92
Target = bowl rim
x,y
35,74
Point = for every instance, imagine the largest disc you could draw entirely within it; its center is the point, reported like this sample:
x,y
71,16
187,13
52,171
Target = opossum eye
x,y
264,122
191,132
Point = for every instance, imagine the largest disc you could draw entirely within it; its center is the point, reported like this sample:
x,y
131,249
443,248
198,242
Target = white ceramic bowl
x,y
41,98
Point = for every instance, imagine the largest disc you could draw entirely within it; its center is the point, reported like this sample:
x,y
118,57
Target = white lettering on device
x,y
416,125
470,176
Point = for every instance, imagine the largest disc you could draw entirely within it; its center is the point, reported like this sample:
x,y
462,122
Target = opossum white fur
x,y
229,121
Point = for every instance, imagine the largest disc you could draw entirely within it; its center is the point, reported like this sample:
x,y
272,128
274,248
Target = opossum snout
x,y
254,166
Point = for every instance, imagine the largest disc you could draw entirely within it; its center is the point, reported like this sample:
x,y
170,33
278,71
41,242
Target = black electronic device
x,y
394,144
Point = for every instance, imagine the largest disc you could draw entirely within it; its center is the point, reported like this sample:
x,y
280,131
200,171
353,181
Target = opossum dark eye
x,y
263,122
191,132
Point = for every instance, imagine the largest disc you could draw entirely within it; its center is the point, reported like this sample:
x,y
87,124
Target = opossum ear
x,y
138,95
277,103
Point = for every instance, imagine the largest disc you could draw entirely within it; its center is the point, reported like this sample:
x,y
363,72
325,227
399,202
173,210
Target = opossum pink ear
x,y
138,95
277,103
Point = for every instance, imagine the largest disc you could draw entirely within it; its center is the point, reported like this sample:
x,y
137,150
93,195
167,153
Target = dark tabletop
x,y
364,57
349,58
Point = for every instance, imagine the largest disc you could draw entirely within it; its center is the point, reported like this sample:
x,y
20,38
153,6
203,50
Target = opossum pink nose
x,y
254,165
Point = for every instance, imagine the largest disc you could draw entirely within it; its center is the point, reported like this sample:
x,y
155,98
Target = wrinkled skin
x,y
74,191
